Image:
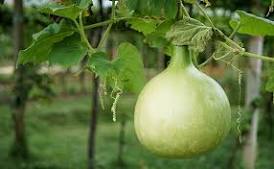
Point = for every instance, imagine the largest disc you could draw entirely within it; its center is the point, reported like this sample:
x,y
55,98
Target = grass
x,y
57,136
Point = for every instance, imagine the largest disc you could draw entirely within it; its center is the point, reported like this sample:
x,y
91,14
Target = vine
x,y
196,38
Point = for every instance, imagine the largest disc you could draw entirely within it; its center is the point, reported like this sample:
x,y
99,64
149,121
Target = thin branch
x,y
105,36
81,30
235,30
266,58
205,62
184,9
106,33
205,15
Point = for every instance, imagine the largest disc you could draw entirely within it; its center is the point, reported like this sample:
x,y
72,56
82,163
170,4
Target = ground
x,y
57,136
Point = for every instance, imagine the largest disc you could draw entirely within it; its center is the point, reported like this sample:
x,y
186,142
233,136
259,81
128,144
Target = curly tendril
x,y
239,107
116,98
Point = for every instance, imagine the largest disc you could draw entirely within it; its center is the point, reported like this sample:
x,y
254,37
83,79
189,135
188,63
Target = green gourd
x,y
182,112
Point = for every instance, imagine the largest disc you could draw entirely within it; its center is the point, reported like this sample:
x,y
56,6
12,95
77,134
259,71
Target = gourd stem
x,y
181,57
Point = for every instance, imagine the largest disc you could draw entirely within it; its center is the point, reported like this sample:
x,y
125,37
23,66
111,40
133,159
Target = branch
x,y
205,15
106,33
235,30
107,22
184,9
81,30
266,58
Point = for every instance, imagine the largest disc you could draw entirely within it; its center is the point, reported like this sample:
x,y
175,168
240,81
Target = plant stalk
x,y
107,22
81,30
253,55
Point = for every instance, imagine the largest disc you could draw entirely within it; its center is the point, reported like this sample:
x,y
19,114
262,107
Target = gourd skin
x,y
182,113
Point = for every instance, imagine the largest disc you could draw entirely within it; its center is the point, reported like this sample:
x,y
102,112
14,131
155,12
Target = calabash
x,y
182,112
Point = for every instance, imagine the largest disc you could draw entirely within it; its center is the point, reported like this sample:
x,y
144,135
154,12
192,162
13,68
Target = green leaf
x,y
253,25
84,4
123,10
68,52
146,26
43,41
158,8
157,38
190,32
70,11
129,68
101,65
126,72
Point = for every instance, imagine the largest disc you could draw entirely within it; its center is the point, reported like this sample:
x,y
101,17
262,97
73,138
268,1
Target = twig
x,y
235,31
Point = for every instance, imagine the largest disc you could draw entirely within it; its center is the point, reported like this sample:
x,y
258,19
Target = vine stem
x,y
205,14
214,27
230,41
205,62
266,58
235,30
107,22
184,9
106,33
81,30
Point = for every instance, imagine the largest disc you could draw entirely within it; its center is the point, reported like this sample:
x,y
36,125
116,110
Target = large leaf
x,y
190,32
43,41
166,8
146,26
101,65
68,52
253,25
70,10
84,4
125,72
130,68
157,38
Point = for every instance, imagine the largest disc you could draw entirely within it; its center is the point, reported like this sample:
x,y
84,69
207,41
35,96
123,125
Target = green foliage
x,y
101,65
144,25
157,38
158,8
125,71
123,10
69,10
191,32
129,68
43,43
68,52
253,25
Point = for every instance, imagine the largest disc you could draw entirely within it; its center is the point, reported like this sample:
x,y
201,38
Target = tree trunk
x,y
252,93
93,124
269,111
121,145
95,100
21,89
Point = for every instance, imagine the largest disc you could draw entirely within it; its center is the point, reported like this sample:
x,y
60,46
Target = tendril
x,y
239,108
116,98
102,93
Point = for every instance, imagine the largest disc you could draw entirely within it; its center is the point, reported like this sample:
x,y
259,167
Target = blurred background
x,y
51,117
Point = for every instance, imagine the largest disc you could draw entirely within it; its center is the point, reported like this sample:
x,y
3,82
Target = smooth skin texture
x,y
182,112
